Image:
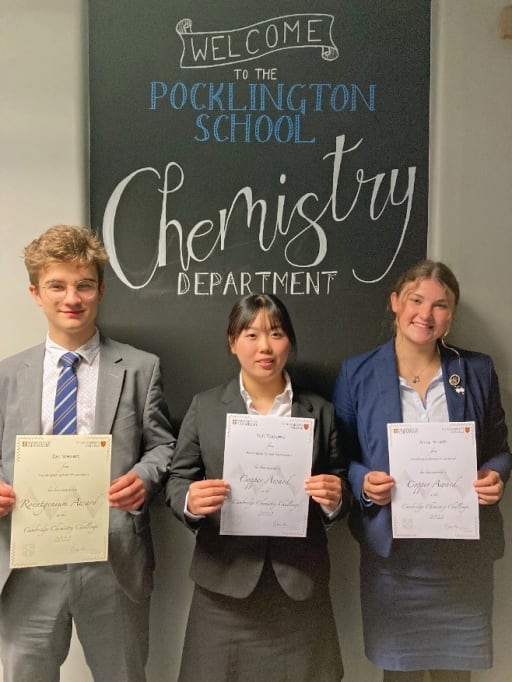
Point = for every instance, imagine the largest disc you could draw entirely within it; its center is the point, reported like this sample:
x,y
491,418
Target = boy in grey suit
x,y
119,392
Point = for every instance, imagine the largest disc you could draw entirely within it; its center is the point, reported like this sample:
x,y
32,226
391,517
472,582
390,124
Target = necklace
x,y
416,377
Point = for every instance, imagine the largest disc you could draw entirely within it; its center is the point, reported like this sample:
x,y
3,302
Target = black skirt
x,y
267,637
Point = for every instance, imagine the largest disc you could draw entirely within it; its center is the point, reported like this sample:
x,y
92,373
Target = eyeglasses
x,y
86,289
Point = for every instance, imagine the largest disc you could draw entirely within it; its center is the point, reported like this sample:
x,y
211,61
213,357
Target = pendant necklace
x,y
416,378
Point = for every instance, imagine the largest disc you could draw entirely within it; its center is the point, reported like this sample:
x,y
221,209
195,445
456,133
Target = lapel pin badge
x,y
454,380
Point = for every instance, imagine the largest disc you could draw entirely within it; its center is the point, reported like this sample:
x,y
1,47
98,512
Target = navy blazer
x,y
367,398
229,564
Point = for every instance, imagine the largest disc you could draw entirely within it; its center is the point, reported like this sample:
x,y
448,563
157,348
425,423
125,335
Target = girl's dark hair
x,y
429,269
246,309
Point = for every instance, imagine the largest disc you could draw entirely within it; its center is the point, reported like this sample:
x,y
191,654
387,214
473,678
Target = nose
x,y
71,295
426,310
265,345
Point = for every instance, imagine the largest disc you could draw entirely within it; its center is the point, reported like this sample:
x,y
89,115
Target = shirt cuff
x,y
365,501
332,514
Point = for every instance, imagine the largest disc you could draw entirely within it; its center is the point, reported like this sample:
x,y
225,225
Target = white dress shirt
x,y
433,409
87,375
282,405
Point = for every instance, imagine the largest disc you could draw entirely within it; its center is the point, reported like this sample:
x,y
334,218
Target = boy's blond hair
x,y
65,243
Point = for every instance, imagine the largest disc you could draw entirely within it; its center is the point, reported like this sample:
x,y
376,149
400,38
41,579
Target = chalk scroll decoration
x,y
292,31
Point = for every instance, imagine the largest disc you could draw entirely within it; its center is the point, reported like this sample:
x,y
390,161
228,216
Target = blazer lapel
x,y
110,384
388,383
302,407
454,377
30,380
232,398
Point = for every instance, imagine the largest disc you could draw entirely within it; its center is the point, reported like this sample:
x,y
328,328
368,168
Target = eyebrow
x,y
437,300
61,281
273,328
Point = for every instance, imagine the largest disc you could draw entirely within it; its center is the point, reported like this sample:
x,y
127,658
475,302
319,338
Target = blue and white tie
x,y
64,416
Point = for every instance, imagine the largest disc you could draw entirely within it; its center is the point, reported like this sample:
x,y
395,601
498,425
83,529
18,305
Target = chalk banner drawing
x,y
256,147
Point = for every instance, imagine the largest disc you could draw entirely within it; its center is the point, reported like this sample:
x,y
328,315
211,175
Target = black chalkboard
x,y
241,147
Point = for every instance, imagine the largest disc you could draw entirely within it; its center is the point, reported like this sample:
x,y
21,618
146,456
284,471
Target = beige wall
x,y
43,167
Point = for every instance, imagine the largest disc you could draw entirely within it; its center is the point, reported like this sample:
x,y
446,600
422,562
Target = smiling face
x,y
71,312
423,312
262,350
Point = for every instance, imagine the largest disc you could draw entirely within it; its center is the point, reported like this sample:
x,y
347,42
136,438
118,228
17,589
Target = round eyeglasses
x,y
86,289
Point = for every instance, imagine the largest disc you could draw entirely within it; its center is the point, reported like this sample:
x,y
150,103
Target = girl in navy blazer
x,y
426,603
261,607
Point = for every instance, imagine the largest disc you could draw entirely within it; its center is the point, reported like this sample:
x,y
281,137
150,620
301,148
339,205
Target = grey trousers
x,y
37,608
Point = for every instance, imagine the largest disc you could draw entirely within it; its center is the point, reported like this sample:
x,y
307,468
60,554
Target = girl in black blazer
x,y
261,607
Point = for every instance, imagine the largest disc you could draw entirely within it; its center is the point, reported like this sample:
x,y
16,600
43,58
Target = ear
x,y
232,344
34,292
393,301
101,291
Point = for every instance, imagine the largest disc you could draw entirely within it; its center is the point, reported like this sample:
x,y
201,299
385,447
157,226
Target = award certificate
x,y
62,510
434,466
266,461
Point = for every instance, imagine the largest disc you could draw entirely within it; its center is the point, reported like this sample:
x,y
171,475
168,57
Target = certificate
x,y
61,512
434,466
266,461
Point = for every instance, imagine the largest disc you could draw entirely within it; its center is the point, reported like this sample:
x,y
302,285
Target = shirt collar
x,y
87,352
285,397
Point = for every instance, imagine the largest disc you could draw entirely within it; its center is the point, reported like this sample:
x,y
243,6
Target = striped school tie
x,y
64,416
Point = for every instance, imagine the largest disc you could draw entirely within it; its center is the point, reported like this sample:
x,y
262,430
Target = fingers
x,y
489,487
377,487
7,499
127,492
207,496
324,489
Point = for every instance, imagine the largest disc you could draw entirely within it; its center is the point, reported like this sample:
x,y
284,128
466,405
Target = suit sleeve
x,y
187,466
495,449
346,412
335,464
158,441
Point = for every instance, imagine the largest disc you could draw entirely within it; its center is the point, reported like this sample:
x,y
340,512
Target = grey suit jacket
x,y
130,405
232,565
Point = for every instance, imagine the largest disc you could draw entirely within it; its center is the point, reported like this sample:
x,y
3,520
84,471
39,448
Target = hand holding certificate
x,y
266,461
434,466
61,513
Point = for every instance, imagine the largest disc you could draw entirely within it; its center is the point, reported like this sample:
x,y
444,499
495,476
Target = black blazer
x,y
231,565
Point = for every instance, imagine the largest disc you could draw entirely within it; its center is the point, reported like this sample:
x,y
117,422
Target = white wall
x,y
471,212
43,181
